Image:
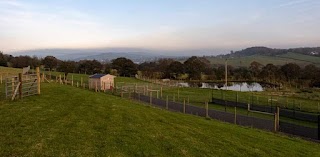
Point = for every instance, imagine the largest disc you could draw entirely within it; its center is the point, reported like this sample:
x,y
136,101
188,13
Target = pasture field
x,y
5,70
68,121
304,101
299,59
267,98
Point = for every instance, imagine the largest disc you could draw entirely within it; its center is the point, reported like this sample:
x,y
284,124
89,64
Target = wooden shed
x,y
101,81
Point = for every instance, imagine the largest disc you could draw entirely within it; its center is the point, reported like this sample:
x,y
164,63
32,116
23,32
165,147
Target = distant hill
x,y
137,57
265,55
312,51
103,54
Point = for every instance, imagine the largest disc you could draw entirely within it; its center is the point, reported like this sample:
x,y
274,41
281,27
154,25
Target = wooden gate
x,y
22,85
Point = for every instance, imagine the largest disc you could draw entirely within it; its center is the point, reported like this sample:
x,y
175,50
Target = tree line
x,y
193,68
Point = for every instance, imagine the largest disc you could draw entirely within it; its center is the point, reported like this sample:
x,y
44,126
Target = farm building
x,y
101,81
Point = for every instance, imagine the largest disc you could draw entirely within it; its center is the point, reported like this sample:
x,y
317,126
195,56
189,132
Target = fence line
x,y
141,93
270,125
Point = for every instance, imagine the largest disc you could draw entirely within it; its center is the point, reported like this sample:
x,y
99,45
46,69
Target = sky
x,y
216,25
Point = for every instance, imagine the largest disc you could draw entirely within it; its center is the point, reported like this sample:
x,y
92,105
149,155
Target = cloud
x,y
29,27
292,3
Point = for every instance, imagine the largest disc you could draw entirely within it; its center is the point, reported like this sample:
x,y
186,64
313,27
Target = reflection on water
x,y
235,86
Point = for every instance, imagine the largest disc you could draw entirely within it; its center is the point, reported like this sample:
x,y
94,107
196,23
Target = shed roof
x,y
100,75
97,75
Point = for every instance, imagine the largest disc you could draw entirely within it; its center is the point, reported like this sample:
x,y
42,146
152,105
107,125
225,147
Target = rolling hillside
x,y
67,121
281,59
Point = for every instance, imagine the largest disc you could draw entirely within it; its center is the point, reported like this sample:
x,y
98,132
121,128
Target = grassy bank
x,y
67,121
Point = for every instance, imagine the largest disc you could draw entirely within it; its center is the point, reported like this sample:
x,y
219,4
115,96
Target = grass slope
x,y
5,70
66,121
299,59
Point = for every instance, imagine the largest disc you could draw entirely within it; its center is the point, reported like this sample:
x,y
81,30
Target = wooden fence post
x,y
184,105
60,80
235,115
150,98
77,84
147,89
318,127
207,110
178,94
12,84
139,96
248,110
278,118
167,103
38,79
96,86
275,122
20,87
72,81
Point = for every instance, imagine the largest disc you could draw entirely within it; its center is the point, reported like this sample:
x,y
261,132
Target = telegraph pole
x,y
226,74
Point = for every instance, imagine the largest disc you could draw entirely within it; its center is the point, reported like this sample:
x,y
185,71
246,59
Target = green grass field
x,y
299,59
67,121
200,96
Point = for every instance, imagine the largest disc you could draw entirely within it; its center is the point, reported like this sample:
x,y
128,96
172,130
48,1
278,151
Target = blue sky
x,y
216,25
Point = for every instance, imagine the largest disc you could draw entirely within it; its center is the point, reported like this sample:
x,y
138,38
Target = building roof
x,y
100,75
97,75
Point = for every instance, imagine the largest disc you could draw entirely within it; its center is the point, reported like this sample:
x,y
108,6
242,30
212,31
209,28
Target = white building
x,y
101,81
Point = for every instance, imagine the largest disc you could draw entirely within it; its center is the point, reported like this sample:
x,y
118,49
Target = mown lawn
x,y
67,121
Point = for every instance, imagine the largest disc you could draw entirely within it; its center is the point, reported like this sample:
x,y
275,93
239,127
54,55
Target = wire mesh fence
x,y
243,120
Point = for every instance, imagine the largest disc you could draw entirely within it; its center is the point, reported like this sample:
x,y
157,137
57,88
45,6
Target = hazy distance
x,y
172,26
